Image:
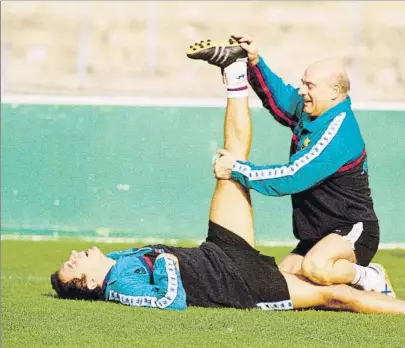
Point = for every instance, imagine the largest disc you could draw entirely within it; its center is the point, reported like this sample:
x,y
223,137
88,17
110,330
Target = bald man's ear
x,y
336,91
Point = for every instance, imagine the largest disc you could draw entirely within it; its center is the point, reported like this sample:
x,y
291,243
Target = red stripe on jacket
x,y
353,164
270,98
148,262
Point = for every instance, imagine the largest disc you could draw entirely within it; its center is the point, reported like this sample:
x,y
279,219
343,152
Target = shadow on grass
x,y
318,309
54,296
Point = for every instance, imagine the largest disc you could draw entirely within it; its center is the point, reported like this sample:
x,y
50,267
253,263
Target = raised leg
x,y
231,204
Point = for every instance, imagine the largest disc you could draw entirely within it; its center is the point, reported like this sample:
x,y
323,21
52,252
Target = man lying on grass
x,y
224,271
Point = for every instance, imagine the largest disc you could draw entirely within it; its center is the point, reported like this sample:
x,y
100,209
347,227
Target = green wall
x,y
146,171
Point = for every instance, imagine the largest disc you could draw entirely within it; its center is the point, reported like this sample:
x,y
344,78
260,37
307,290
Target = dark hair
x,y
75,288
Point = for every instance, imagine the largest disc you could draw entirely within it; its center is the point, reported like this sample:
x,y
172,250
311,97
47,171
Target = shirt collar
x,y
109,277
314,124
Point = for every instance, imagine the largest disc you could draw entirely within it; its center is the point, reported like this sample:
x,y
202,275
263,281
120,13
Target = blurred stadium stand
x,y
138,48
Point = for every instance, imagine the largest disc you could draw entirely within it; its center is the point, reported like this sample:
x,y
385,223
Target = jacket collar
x,y
313,124
107,278
115,271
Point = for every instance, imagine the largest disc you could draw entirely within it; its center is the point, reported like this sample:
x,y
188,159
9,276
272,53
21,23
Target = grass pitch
x,y
32,317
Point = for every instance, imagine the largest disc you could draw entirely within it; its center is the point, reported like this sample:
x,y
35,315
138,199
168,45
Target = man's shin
x,y
238,128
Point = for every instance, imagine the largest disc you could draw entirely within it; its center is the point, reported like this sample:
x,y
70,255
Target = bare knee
x,y
317,269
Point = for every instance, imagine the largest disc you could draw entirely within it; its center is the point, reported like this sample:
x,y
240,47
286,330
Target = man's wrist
x,y
254,60
234,165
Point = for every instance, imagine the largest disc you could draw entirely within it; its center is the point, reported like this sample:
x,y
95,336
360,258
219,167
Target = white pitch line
x,y
151,241
25,278
164,102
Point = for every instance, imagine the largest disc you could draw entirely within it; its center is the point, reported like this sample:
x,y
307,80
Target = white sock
x,y
365,277
235,78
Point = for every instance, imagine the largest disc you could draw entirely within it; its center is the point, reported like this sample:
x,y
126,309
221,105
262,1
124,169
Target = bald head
x,y
324,84
333,71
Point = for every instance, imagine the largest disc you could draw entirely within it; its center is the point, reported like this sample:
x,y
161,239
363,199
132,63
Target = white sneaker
x,y
383,285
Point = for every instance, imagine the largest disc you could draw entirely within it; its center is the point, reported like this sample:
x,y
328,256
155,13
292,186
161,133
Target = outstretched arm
x,y
281,99
320,159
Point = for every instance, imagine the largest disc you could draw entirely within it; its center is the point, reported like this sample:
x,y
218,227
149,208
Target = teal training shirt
x,y
131,281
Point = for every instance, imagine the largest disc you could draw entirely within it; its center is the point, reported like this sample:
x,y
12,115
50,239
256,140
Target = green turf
x,y
32,317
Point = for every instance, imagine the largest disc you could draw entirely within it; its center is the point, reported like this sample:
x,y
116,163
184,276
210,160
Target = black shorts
x,y
266,283
225,271
364,238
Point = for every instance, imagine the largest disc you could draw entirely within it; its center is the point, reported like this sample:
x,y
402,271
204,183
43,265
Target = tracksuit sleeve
x,y
170,290
282,100
165,292
305,169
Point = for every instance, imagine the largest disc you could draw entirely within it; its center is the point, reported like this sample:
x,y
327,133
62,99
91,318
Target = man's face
x,y
317,91
83,263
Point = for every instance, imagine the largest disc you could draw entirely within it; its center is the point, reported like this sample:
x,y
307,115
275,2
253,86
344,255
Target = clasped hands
x,y
223,164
